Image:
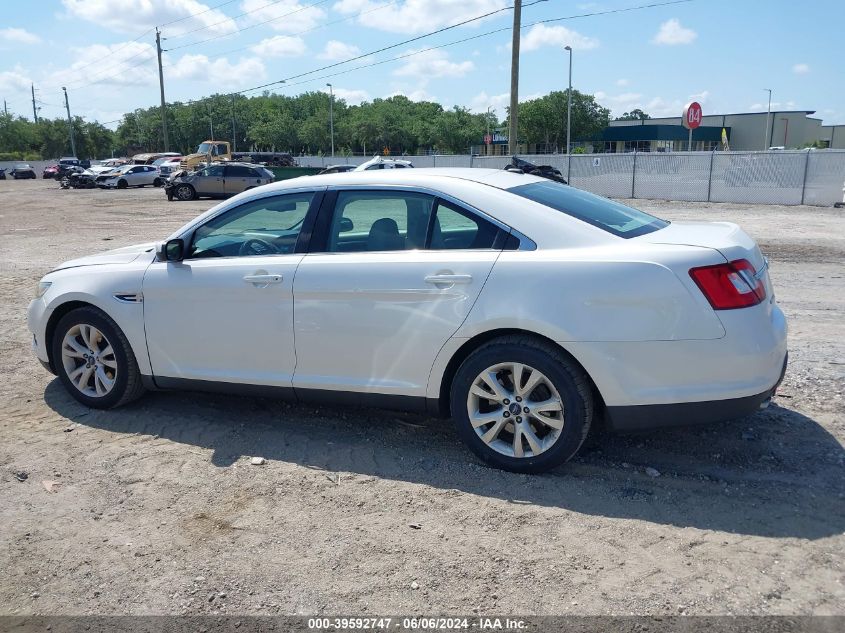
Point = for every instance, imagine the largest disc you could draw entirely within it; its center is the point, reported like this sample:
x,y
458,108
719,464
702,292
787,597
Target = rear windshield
x,y
609,215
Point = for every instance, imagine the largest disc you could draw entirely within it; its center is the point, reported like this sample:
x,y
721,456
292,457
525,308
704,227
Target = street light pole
x,y
487,145
70,124
331,114
569,102
514,111
768,114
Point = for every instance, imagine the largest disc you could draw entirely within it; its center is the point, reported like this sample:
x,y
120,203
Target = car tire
x,y
506,431
122,184
113,378
158,182
184,192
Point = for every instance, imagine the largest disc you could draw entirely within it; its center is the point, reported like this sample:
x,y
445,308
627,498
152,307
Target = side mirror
x,y
346,225
171,251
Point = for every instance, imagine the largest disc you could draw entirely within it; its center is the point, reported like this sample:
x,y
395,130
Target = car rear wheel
x,y
94,360
158,182
521,405
185,192
122,184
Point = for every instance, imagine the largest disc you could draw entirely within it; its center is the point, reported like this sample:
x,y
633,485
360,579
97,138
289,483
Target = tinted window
x,y
215,171
379,221
613,217
267,226
240,171
456,228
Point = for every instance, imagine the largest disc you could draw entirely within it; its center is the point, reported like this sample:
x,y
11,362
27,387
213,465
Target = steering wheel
x,y
257,246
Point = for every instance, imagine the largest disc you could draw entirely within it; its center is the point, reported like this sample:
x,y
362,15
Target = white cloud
x,y
541,35
432,64
671,33
146,15
339,51
776,105
800,69
482,101
622,82
414,95
280,46
417,16
122,64
285,15
14,80
352,97
219,71
18,36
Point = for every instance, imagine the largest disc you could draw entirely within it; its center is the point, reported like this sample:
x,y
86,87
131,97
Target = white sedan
x,y
130,176
522,308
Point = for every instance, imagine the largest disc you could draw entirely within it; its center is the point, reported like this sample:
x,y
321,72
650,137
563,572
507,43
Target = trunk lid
x,y
726,237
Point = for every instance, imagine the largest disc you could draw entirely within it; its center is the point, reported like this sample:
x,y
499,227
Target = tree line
x,y
300,125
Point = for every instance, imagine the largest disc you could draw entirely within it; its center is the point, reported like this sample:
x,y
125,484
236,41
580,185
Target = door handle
x,y
448,279
263,279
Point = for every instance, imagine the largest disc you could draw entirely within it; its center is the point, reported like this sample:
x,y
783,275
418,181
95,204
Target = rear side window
x,y
454,228
609,215
239,171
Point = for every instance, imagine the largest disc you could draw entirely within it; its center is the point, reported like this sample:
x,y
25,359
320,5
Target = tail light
x,y
730,286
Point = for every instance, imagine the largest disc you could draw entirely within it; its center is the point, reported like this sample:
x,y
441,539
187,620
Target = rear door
x,y
239,178
382,289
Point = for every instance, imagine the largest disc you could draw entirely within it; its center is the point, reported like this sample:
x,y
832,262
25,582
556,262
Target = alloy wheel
x,y
89,361
515,410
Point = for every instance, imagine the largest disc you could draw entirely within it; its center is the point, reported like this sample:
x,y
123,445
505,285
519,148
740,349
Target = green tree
x,y
634,115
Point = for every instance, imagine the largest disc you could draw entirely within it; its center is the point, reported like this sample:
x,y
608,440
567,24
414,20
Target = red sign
x,y
488,138
692,115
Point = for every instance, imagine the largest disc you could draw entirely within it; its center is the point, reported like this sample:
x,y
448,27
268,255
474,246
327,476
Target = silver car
x,y
218,181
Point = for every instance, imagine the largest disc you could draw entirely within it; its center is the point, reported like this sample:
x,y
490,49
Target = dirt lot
x,y
158,510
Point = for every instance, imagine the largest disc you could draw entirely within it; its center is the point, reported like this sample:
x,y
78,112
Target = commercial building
x,y
789,129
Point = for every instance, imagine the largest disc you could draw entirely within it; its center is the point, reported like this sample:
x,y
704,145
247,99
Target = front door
x,y
225,313
398,273
210,182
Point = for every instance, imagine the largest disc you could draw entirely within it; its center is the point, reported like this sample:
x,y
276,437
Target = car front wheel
x,y
122,184
184,192
521,405
94,360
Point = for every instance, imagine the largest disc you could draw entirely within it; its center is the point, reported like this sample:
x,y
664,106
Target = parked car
x,y
2,173
50,171
130,176
22,171
80,179
337,169
379,162
169,167
525,308
107,165
219,180
69,160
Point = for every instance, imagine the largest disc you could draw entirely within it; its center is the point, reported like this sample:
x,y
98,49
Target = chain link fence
x,y
779,177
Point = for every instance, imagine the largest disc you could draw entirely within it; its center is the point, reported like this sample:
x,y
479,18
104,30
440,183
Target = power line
x,y
234,17
460,41
251,26
312,29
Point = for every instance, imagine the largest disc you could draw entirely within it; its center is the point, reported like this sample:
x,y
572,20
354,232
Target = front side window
x,y
608,215
269,226
215,171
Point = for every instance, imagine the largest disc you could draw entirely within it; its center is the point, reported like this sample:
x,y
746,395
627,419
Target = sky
x,y
721,53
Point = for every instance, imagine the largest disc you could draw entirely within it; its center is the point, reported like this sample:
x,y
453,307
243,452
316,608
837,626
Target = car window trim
x,y
320,240
302,240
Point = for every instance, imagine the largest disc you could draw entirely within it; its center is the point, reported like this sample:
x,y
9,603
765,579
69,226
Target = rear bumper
x,y
622,419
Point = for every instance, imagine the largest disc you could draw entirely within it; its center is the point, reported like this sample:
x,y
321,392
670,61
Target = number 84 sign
x,y
692,115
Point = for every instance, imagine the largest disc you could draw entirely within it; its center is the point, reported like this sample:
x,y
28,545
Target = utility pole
x,y
234,140
517,23
5,109
70,124
161,87
569,101
766,142
331,114
34,110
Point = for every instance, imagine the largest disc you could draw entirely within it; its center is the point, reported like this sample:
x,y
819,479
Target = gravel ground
x,y
155,508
